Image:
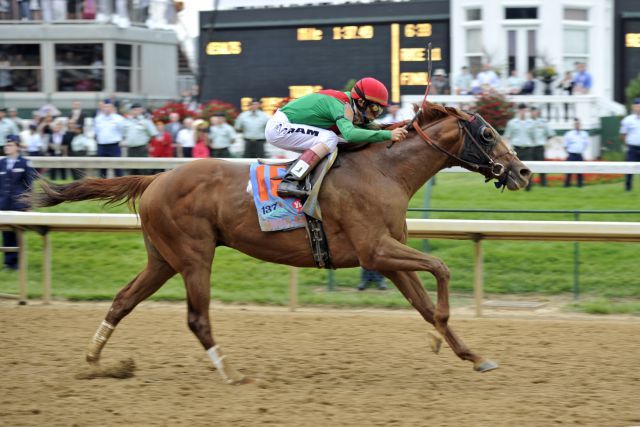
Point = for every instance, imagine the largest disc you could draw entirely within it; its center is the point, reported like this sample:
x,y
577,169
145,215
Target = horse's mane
x,y
433,112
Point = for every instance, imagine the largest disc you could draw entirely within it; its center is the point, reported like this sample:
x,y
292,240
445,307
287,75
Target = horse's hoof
x,y
92,359
435,342
486,366
240,381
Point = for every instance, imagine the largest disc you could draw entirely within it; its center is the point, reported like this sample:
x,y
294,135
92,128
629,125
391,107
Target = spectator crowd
x,y
116,130
154,13
578,81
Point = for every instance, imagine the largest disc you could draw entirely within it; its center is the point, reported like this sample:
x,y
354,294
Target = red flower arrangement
x,y
204,111
162,113
495,109
215,107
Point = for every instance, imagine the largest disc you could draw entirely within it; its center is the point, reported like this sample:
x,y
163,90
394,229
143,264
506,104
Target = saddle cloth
x,y
277,213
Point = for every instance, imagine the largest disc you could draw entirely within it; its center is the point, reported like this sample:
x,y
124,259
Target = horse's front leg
x,y
399,262
409,284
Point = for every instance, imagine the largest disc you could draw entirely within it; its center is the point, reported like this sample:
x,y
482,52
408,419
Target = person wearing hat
x,y
252,124
519,133
440,83
630,135
7,127
16,176
310,125
221,135
138,134
201,140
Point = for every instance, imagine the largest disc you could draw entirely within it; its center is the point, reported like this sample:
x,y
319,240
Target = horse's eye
x,y
487,135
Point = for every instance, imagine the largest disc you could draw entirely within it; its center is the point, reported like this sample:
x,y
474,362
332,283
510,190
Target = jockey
x,y
311,125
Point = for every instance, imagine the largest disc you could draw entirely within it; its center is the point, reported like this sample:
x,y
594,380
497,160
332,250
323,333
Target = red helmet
x,y
371,90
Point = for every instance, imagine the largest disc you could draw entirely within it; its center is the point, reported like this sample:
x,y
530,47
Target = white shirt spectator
x,y
33,142
7,127
109,128
252,124
391,118
514,84
185,138
488,77
462,84
576,141
630,126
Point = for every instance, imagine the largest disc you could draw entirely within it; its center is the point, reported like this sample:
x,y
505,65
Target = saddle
x,y
301,213
278,214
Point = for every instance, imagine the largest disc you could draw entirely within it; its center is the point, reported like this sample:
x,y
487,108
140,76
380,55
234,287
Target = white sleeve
x,y
624,126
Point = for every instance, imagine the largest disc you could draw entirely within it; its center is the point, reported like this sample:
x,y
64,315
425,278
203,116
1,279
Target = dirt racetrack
x,y
319,368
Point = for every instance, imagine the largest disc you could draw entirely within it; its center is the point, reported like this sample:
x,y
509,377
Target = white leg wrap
x,y
99,340
216,358
228,374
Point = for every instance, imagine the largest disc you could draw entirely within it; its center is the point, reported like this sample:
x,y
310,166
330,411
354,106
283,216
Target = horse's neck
x,y
413,162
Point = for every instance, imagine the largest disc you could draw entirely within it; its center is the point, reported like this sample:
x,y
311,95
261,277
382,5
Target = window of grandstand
x,y
576,14
127,67
20,68
474,14
79,67
521,13
474,49
576,47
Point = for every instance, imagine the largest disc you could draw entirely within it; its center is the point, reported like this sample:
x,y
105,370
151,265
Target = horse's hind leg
x,y
155,274
197,275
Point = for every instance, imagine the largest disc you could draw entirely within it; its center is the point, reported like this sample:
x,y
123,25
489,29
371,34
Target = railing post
x,y
478,275
22,267
331,280
576,263
426,205
293,288
46,268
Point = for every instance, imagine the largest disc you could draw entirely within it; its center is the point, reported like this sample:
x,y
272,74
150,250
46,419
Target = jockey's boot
x,y
297,172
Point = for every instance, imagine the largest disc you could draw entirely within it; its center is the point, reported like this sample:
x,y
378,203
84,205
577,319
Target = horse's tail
x,y
114,191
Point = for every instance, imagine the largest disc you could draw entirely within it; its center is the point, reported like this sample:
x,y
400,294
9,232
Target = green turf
x,y
95,265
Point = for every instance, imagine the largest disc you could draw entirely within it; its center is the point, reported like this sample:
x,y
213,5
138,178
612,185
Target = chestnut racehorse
x,y
186,213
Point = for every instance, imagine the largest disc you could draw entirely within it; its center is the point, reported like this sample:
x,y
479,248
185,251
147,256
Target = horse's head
x,y
477,146
484,150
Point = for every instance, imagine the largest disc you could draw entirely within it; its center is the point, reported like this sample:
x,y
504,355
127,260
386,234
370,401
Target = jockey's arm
x,y
355,134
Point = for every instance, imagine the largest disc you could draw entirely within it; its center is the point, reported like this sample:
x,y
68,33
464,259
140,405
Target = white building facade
x,y
527,34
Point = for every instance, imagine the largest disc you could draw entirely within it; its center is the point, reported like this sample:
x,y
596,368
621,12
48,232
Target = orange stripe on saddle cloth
x,y
264,187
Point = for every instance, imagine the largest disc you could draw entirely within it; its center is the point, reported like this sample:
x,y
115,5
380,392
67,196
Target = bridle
x,y
495,169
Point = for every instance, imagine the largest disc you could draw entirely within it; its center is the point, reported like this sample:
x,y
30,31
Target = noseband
x,y
496,169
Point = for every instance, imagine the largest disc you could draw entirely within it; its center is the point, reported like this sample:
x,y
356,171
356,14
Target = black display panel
x,y
631,51
272,54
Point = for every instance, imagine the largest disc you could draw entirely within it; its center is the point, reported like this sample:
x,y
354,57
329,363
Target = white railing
x,y
170,163
475,230
559,110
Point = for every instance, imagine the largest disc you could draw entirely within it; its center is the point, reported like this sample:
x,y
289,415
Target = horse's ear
x,y
415,107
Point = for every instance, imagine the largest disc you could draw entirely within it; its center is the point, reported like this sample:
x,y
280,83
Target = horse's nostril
x,y
525,173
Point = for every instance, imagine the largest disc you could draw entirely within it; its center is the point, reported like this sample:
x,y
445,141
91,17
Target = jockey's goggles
x,y
376,109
